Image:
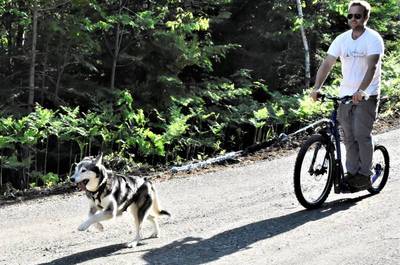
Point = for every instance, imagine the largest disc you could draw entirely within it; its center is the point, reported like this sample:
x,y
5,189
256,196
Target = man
x,y
360,50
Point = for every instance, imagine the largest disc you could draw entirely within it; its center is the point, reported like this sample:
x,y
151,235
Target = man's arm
x,y
372,61
322,74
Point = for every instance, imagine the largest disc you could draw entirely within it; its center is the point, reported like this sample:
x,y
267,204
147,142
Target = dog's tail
x,y
156,205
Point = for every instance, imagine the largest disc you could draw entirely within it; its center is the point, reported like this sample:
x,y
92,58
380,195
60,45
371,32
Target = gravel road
x,y
245,214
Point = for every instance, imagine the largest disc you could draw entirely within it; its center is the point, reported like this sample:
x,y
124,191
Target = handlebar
x,y
343,100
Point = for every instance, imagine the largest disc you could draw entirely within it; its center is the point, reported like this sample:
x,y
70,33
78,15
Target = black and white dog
x,y
110,195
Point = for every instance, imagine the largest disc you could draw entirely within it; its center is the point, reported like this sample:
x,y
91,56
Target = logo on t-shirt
x,y
355,53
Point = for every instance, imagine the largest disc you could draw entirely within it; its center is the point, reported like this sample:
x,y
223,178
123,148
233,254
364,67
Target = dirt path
x,y
239,215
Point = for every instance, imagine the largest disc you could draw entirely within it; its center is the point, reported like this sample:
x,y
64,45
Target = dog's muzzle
x,y
81,185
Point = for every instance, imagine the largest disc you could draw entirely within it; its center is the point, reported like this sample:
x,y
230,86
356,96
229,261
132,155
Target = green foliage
x,y
309,110
12,162
339,7
180,100
260,117
185,22
50,179
391,81
133,131
384,17
177,124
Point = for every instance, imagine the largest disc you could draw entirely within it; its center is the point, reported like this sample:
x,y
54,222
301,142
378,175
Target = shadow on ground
x,y
87,255
194,250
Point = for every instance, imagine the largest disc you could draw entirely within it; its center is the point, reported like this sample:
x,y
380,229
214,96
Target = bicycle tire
x,y
322,141
386,166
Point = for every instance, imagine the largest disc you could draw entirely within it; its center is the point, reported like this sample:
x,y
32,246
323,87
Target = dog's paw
x,y
99,227
83,227
155,235
132,244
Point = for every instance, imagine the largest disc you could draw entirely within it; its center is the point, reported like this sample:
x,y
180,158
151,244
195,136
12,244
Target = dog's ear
x,y
99,159
99,165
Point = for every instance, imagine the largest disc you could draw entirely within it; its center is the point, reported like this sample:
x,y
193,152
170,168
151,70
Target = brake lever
x,y
347,101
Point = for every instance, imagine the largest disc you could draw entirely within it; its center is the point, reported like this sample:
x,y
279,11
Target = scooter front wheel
x,y
313,172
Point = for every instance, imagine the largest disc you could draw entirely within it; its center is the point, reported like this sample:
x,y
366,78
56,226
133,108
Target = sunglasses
x,y
356,16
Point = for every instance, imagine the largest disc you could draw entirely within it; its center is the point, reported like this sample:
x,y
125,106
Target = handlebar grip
x,y
320,96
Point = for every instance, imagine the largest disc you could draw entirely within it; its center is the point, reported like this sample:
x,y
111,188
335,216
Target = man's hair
x,y
365,4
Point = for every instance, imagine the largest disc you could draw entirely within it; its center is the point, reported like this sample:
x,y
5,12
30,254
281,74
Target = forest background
x,y
159,83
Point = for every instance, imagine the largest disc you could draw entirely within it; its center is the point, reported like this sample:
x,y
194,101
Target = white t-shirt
x,y
353,56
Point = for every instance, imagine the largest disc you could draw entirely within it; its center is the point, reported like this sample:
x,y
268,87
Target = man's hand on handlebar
x,y
359,96
315,94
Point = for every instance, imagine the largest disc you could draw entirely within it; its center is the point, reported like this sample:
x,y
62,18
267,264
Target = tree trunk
x,y
44,73
7,22
31,95
305,43
60,70
60,73
118,38
45,155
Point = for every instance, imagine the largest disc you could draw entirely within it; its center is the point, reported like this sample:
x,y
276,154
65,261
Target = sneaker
x,y
346,187
347,177
360,182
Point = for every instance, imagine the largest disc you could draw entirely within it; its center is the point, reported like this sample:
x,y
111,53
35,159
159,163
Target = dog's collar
x,y
96,194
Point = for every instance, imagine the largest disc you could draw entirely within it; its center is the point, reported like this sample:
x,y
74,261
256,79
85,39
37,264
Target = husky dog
x,y
110,195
